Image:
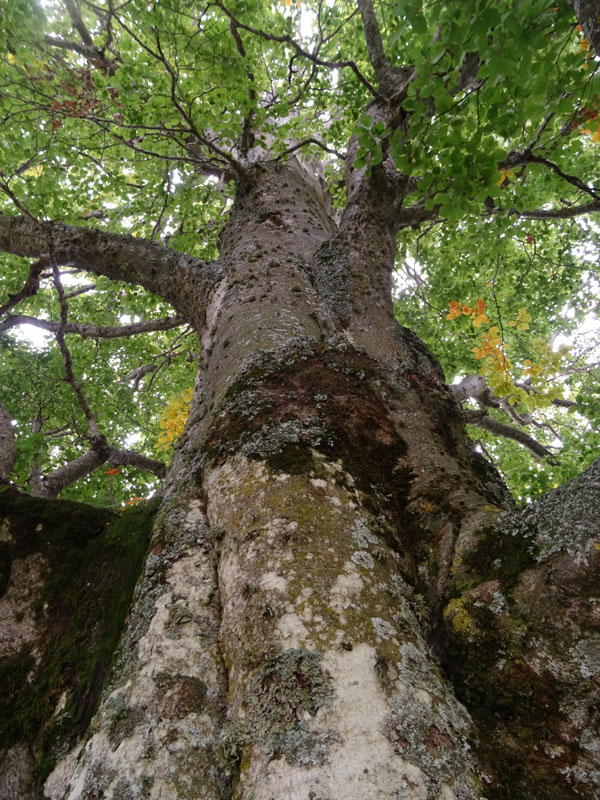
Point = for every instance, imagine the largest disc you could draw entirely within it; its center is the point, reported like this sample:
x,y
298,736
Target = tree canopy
x,y
137,118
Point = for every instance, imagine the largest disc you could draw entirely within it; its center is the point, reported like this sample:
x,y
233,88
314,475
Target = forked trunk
x,y
327,540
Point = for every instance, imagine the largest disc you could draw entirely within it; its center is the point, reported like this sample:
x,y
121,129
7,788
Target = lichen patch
x,y
360,762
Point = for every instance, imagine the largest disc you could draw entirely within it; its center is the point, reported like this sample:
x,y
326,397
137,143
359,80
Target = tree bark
x,y
332,556
8,451
588,16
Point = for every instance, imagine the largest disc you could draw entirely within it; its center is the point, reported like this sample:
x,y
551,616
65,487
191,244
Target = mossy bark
x,y
60,563
340,598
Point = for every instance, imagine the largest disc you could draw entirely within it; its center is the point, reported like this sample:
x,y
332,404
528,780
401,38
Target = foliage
x,y
173,418
491,351
136,132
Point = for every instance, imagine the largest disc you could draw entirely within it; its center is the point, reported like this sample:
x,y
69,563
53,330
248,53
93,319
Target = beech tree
x,y
354,228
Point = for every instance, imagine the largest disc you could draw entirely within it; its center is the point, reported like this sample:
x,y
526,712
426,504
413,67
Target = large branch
x,y
94,331
68,361
51,485
558,213
54,483
525,157
181,280
29,288
132,459
392,79
381,66
480,419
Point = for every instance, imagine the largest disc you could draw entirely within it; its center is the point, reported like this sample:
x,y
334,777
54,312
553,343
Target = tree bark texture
x,y
340,599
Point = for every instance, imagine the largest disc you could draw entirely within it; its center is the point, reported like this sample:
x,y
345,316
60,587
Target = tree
x,y
340,597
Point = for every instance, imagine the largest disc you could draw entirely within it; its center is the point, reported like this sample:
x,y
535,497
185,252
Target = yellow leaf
x,y
505,175
596,136
10,58
34,171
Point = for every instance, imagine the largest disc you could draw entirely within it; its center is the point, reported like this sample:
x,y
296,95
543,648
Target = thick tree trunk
x,y
328,569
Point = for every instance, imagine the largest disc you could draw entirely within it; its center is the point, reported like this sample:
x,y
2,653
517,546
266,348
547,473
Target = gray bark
x,y
588,16
8,452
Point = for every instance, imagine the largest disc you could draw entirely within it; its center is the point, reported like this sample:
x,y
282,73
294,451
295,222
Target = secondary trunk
x,y
327,555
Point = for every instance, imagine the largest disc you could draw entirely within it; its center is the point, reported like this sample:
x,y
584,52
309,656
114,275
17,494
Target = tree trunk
x,y
339,599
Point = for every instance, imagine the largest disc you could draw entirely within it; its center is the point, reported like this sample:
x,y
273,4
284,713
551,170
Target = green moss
x,y
285,407
502,556
93,559
516,707
5,564
14,671
293,459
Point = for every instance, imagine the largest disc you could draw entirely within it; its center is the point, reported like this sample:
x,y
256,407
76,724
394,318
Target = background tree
x,y
221,195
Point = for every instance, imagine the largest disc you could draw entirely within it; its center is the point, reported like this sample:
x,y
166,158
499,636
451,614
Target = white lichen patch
x,y
361,764
361,534
423,697
446,793
363,559
194,514
146,725
586,652
271,581
383,628
213,310
292,631
173,643
346,589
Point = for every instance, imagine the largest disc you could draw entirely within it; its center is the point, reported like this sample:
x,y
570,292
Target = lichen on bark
x,y
61,562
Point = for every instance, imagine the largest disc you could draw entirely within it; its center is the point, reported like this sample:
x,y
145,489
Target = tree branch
x,y
311,140
132,459
95,331
29,288
66,354
78,22
55,482
555,213
51,485
379,62
271,37
525,157
481,419
393,81
182,280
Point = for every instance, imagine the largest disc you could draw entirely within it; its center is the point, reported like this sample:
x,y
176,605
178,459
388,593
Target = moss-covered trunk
x,y
339,600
